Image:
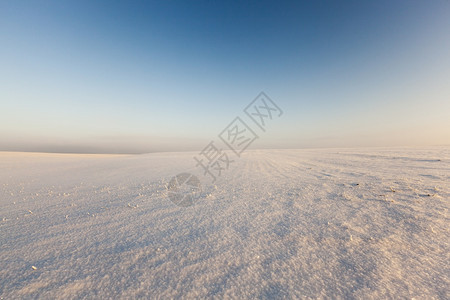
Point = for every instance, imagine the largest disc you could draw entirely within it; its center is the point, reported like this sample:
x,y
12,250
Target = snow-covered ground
x,y
341,223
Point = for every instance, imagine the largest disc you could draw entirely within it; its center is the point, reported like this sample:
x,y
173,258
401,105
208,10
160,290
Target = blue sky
x,y
141,76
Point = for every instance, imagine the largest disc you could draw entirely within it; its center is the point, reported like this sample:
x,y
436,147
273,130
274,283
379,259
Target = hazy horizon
x,y
101,77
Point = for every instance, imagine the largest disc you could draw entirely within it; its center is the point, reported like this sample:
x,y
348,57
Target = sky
x,y
150,76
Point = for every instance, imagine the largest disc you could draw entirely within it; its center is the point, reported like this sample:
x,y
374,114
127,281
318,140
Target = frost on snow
x,y
348,223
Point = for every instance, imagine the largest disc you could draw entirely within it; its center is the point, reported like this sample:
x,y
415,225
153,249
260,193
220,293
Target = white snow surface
x,y
334,223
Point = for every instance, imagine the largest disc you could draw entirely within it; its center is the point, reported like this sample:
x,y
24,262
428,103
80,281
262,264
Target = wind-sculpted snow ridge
x,y
353,223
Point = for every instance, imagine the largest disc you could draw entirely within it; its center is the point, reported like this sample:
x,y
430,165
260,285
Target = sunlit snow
x,y
348,223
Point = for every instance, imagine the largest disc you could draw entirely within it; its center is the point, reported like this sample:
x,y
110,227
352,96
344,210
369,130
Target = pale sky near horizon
x,y
145,76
